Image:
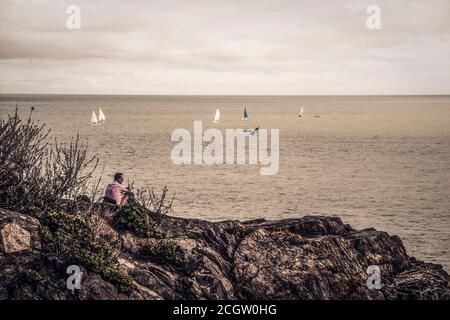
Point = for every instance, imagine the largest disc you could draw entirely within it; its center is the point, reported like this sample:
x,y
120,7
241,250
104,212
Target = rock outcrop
x,y
306,258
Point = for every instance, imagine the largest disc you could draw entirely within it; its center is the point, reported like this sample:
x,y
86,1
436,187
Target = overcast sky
x,y
225,47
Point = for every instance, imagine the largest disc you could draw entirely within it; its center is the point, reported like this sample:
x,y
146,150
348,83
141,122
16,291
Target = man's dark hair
x,y
118,175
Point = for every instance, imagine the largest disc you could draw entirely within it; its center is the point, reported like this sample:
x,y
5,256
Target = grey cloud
x,y
283,42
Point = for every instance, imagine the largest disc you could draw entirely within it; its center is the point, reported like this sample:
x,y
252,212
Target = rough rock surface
x,y
15,238
306,258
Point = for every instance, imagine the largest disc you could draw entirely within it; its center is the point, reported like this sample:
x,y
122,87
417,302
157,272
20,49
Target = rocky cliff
x,y
306,258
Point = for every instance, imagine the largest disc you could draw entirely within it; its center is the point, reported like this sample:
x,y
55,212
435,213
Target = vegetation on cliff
x,y
38,174
165,251
136,218
72,238
47,180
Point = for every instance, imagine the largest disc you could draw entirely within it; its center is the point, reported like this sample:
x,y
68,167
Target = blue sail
x,y
245,114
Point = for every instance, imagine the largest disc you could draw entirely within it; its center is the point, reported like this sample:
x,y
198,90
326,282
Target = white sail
x,y
301,112
217,116
94,118
101,115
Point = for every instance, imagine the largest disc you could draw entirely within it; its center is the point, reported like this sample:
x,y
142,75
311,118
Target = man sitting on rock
x,y
116,193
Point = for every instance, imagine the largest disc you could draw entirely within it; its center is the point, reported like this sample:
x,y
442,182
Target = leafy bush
x,y
35,173
71,236
135,217
163,251
32,276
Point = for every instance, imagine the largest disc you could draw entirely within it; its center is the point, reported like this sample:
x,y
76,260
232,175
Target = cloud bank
x,y
225,47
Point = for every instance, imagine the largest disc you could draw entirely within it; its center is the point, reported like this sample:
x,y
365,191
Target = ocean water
x,y
381,162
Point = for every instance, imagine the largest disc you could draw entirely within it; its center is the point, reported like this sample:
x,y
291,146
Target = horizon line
x,y
231,95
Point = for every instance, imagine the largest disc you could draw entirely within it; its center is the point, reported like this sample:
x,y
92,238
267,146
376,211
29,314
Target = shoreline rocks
x,y
313,257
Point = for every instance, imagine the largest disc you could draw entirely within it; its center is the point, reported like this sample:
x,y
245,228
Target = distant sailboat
x,y
301,113
245,117
101,116
217,116
93,118
98,120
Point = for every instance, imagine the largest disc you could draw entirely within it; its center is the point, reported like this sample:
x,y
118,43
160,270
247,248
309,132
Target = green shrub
x,y
62,284
163,251
32,276
72,237
136,218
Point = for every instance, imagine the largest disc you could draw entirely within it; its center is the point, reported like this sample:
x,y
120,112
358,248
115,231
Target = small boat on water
x,y
94,119
245,116
300,114
216,116
101,116
97,120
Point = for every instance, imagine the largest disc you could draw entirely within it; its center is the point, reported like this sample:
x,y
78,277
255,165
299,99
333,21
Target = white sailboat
x,y
94,119
301,113
98,120
101,116
217,116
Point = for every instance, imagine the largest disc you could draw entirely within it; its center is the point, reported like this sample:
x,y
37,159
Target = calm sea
x,y
381,162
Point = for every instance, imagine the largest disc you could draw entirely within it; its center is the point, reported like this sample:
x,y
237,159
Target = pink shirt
x,y
115,191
